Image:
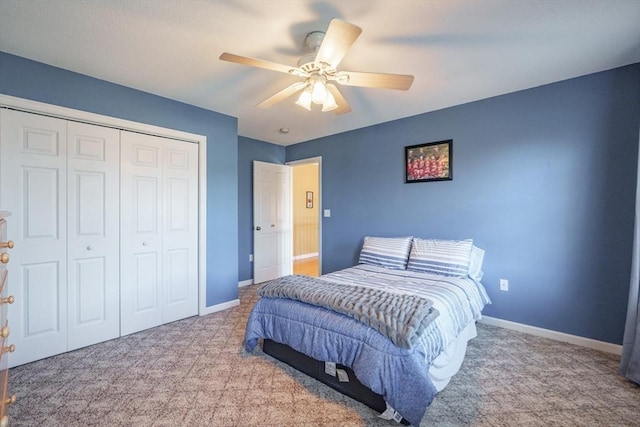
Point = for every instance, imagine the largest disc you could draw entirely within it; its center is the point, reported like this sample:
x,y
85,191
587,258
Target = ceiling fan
x,y
318,70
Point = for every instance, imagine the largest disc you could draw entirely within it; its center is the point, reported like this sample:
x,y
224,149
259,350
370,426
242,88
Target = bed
x,y
395,328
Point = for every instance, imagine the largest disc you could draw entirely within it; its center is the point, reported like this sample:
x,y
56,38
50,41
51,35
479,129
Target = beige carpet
x,y
194,373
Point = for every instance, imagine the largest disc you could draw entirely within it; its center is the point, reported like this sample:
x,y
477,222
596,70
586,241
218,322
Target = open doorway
x,y
306,217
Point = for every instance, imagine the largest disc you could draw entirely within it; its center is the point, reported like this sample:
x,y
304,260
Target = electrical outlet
x,y
250,257
504,285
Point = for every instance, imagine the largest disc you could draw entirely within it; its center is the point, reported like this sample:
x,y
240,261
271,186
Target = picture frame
x,y
309,199
427,162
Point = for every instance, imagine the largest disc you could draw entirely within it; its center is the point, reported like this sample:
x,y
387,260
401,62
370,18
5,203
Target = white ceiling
x,y
458,50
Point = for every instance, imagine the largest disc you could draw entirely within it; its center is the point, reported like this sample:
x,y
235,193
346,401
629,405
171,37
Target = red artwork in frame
x,y
428,162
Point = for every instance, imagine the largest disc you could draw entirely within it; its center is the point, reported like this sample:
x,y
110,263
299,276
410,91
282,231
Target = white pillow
x,y
444,257
389,252
475,263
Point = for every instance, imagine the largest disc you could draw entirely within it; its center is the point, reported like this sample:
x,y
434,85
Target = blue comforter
x,y
398,374
400,317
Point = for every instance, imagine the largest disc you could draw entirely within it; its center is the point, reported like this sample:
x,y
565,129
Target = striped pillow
x,y
388,252
475,263
444,257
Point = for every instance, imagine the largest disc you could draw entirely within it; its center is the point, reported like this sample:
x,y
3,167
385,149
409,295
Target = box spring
x,y
316,369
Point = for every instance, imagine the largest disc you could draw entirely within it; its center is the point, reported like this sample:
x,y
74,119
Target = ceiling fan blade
x,y
343,105
375,80
336,42
282,95
259,63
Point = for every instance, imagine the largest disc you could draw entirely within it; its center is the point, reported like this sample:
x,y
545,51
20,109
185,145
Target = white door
x,y
272,221
33,165
159,231
180,237
141,232
93,234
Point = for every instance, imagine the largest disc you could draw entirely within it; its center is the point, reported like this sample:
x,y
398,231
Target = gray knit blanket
x,y
401,318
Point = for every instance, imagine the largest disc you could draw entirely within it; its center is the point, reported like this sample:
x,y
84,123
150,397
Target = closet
x,y
105,231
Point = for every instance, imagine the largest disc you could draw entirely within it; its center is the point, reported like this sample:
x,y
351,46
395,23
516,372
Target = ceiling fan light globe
x,y
329,103
318,93
304,100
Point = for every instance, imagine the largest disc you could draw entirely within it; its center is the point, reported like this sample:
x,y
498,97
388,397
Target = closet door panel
x,y
141,232
180,237
41,296
33,164
177,268
146,298
93,234
90,300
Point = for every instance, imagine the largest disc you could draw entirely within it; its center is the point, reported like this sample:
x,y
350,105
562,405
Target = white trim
x,y
318,160
248,282
554,335
98,119
306,161
202,226
219,307
305,256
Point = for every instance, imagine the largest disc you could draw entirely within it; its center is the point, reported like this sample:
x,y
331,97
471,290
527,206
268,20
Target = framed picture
x,y
309,199
428,162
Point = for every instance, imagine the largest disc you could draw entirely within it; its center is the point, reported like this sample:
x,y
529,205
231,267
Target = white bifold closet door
x,y
159,231
93,231
60,180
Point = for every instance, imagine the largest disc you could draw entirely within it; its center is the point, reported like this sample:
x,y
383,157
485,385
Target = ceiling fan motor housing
x,y
311,44
312,41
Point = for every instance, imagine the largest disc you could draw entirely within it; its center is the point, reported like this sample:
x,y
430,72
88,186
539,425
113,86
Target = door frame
x,y
36,107
311,160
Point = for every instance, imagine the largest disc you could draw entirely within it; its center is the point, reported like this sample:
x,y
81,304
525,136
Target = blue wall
x,y
248,151
39,82
543,180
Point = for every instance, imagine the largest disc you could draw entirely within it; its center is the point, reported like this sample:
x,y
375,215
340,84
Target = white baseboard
x,y
558,336
304,256
487,320
245,283
220,307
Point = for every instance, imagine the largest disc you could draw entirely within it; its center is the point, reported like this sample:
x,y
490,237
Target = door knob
x,y
258,228
8,244
4,258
